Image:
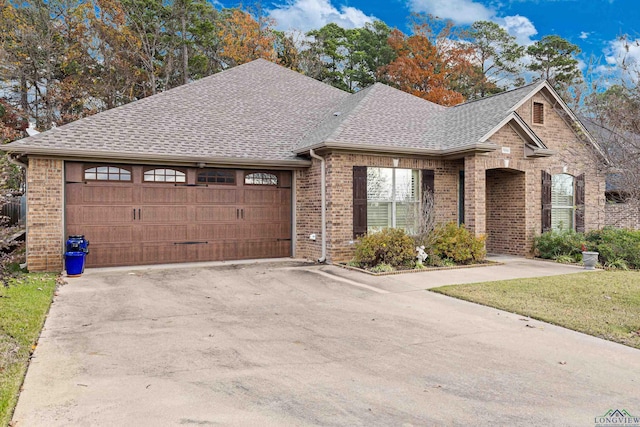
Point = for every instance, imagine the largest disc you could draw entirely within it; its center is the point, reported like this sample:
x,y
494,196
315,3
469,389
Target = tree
x,y
243,39
614,118
429,65
496,54
553,58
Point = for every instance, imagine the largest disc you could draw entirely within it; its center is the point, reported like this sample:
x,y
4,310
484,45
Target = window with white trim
x,y
562,202
164,175
393,198
261,178
107,173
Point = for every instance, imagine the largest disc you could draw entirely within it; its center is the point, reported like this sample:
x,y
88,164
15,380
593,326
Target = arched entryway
x,y
505,210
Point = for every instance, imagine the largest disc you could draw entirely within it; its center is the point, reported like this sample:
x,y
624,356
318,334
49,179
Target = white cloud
x,y
305,15
520,27
624,54
470,11
459,11
584,35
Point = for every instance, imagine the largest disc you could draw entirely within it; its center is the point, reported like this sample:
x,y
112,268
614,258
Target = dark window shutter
x,y
579,180
359,201
546,201
428,178
538,113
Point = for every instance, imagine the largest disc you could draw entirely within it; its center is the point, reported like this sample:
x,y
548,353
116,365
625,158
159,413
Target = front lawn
x,y
23,308
603,304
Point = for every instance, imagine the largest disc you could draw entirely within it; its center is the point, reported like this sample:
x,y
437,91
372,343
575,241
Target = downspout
x,y
323,203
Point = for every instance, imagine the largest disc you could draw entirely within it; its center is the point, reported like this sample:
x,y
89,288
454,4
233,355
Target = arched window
x,y
261,178
562,202
164,175
107,173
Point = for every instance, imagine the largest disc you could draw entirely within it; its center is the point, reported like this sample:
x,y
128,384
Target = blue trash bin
x,y
77,243
74,263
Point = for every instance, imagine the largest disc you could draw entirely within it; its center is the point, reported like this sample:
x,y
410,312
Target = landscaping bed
x,y
400,270
24,304
604,304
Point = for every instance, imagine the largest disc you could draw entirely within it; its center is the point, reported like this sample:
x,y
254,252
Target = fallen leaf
x,y
562,362
530,326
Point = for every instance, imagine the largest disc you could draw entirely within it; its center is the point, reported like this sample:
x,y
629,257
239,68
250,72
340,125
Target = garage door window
x,y
164,175
217,176
261,178
107,173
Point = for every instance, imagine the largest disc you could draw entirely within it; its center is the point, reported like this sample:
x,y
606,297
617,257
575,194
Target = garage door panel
x,y
164,233
160,253
101,214
164,193
97,234
266,213
269,231
216,213
164,214
261,196
110,255
214,231
104,194
216,195
263,249
211,251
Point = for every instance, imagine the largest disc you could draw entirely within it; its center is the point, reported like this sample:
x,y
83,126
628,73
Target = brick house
x,y
259,161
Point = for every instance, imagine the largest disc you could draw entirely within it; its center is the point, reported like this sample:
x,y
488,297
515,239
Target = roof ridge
x,y
495,95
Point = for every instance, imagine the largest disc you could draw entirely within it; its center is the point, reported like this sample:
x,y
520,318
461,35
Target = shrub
x,y
616,245
382,268
388,246
457,244
559,245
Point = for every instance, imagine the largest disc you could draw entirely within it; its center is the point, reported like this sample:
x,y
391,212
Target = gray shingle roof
x,y
263,112
378,115
258,110
469,122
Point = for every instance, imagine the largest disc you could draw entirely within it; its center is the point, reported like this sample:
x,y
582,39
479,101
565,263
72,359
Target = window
x,y
217,176
107,173
538,113
261,178
562,202
393,198
164,175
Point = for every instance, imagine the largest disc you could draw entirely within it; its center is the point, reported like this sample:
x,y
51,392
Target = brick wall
x,y
340,199
505,211
623,215
45,229
573,156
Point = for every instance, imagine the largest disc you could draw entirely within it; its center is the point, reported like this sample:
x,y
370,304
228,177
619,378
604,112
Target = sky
x,y
594,25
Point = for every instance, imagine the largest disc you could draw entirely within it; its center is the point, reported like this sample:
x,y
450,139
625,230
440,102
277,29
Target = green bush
x,y
390,246
560,245
457,244
616,246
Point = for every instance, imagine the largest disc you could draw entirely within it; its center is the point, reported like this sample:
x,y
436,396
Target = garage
x,y
146,214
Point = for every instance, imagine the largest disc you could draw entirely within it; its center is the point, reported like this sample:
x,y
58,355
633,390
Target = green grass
x,y
603,304
23,308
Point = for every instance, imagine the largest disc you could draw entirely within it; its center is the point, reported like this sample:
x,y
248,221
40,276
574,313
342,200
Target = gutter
x,y
142,158
14,159
323,203
480,147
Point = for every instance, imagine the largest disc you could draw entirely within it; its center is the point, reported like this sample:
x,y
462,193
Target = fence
x,y
14,210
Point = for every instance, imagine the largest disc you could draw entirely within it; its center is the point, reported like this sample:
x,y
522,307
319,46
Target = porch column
x,y
475,195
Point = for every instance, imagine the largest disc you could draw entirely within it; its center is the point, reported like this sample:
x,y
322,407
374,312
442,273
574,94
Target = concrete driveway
x,y
287,343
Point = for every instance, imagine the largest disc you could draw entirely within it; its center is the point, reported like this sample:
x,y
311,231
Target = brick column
x,y
475,196
45,207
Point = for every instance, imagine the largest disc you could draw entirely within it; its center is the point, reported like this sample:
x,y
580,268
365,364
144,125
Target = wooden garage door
x,y
131,215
